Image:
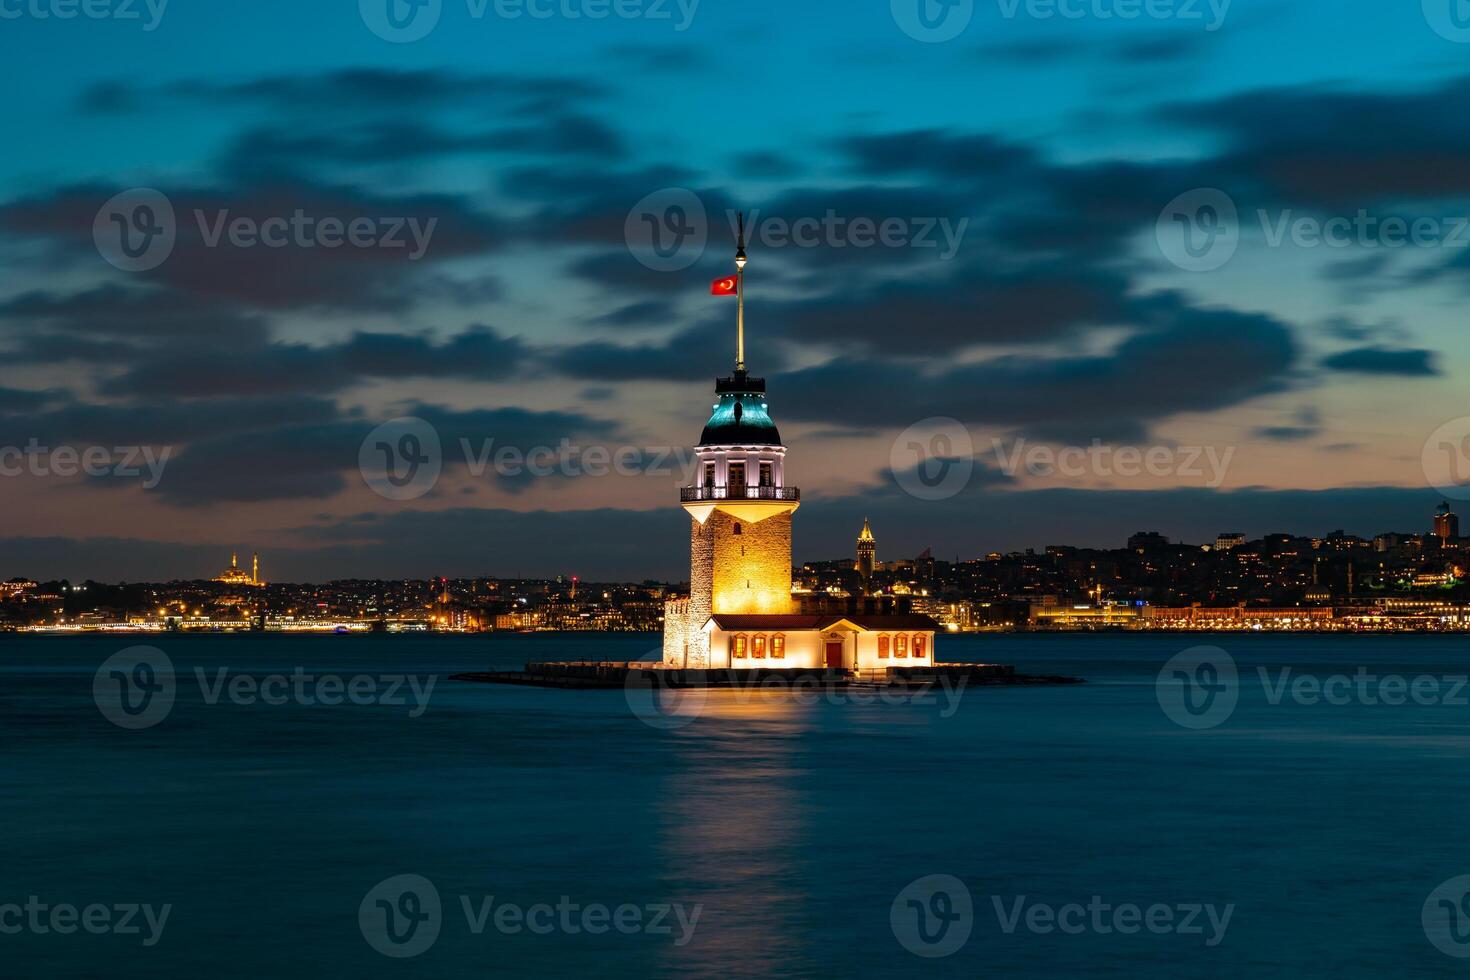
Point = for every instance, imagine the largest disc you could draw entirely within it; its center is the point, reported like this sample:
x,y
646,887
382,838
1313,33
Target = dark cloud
x,y
1185,360
1337,149
357,90
1409,362
202,371
206,263
695,353
317,459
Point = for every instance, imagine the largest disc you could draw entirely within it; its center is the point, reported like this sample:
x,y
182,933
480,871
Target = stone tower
x,y
867,554
739,512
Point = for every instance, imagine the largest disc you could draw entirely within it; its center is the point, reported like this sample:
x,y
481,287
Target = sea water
x,y
580,833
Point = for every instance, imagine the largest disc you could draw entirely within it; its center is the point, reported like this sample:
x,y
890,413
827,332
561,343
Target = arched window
x,y
758,647
737,529
883,646
778,646
901,645
921,643
738,647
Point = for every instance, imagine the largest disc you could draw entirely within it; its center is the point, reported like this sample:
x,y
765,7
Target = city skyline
x,y
935,252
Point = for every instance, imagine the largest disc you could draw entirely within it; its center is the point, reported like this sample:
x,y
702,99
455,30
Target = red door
x,y
834,655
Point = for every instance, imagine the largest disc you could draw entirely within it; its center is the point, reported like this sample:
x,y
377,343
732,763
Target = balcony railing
x,y
694,494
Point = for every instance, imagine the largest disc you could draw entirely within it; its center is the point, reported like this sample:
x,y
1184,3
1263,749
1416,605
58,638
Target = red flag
x,y
724,287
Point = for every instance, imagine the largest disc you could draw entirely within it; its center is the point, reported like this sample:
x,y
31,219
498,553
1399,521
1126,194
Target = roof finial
x,y
740,261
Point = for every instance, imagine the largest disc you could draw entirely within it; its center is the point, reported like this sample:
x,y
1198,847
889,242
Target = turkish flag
x,y
724,287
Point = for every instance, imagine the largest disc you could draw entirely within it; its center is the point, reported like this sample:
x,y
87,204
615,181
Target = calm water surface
x,y
792,823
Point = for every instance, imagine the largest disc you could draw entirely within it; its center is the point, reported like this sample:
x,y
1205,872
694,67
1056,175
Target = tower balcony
x,y
749,504
689,495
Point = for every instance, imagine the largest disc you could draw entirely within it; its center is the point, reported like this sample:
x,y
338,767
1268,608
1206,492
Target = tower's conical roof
x,y
867,532
740,417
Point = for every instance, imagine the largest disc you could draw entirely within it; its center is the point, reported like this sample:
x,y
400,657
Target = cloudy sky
x,y
1218,250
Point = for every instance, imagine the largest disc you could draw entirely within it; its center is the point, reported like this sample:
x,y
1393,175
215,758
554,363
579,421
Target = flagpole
x,y
740,299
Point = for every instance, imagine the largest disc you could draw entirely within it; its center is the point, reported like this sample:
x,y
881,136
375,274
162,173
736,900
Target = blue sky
x,y
1052,148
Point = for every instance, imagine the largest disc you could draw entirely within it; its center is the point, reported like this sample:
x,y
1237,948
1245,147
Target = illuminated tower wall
x,y
740,522
867,553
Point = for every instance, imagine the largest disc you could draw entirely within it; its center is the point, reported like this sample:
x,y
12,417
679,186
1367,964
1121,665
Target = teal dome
x,y
740,417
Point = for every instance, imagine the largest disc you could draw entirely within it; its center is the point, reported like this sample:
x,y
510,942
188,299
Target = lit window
x,y
738,647
758,648
883,647
901,645
920,642
778,646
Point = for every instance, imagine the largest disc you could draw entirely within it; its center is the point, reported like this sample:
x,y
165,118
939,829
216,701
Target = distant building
x,y
1147,541
1446,524
1229,540
867,554
235,575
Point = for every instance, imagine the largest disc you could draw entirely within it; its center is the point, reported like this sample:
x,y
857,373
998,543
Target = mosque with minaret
x,y
740,611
